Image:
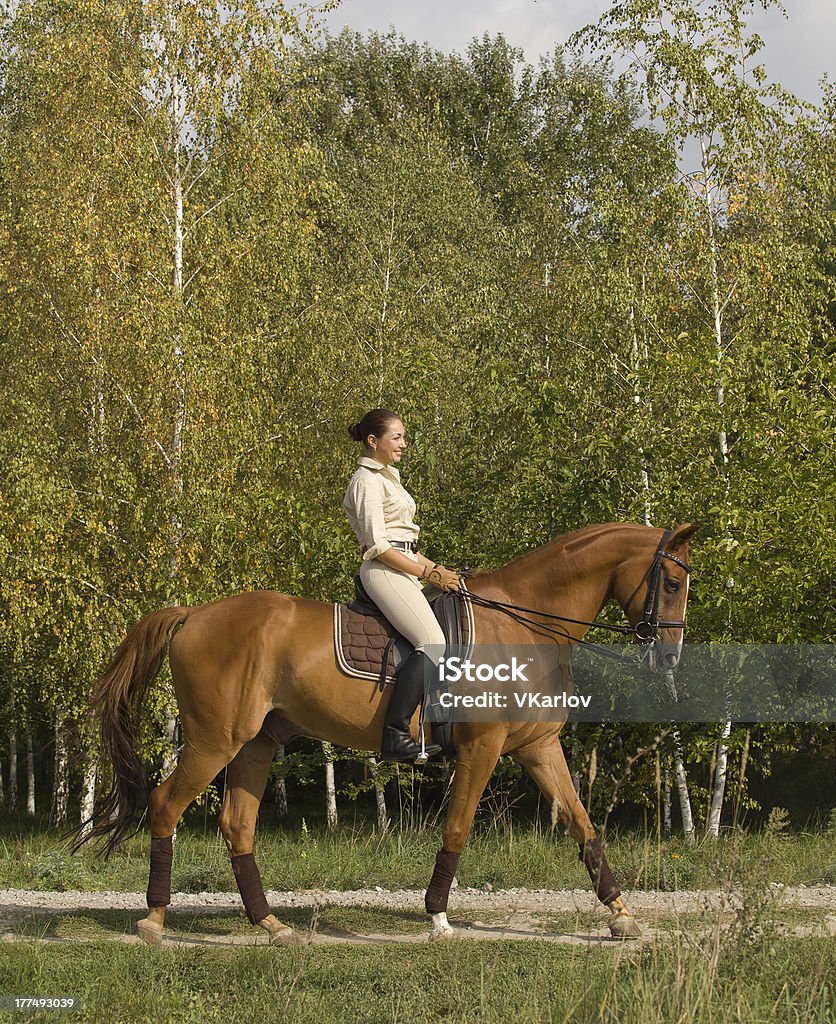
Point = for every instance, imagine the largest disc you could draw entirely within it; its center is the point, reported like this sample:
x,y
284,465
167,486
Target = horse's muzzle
x,y
665,657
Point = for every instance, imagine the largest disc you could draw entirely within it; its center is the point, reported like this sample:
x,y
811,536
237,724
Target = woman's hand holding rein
x,y
421,567
441,576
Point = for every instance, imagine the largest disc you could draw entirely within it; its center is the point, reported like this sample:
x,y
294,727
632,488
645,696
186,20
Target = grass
x,y
732,967
779,980
503,855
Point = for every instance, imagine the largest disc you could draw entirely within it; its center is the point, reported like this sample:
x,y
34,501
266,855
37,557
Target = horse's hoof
x,y
150,932
284,936
624,926
278,934
443,933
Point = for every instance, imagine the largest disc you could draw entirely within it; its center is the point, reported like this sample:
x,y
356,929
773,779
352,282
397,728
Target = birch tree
x,y
696,69
30,773
12,798
213,245
108,231
331,816
199,63
62,189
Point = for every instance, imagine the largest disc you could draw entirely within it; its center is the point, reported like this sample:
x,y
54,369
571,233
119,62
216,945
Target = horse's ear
x,y
681,535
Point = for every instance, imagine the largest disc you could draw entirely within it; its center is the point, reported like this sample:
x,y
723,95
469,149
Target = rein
x,y
646,631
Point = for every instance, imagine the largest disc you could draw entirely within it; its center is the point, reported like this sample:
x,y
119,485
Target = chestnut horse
x,y
257,669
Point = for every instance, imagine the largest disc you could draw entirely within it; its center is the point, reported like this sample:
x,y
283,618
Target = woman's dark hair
x,y
374,422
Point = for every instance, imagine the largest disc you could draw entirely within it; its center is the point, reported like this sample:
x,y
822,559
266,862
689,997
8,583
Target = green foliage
x,y
218,255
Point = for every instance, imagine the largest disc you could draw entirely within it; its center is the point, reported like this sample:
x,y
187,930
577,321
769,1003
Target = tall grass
x,y
500,853
697,970
777,981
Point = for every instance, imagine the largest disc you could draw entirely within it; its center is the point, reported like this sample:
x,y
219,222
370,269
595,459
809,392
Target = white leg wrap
x,y
441,926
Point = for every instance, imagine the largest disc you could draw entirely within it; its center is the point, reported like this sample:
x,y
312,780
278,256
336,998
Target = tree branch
x,y
131,404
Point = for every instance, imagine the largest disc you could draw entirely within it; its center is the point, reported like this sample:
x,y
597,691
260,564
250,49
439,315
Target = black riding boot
x,y
397,744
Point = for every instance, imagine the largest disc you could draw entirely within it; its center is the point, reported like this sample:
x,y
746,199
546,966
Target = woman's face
x,y
389,448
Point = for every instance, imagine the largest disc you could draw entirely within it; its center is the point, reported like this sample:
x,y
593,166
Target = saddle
x,y
367,646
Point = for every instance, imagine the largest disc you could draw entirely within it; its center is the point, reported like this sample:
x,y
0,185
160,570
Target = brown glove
x,y
441,577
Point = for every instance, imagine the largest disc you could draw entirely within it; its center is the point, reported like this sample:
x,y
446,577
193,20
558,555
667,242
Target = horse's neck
x,y
569,576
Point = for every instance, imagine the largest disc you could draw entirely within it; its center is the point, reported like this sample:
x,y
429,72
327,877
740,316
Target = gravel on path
x,y
461,899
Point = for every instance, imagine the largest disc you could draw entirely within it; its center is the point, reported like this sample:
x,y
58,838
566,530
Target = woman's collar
x,y
371,463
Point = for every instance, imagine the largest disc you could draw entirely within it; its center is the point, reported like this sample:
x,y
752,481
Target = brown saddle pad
x,y
361,640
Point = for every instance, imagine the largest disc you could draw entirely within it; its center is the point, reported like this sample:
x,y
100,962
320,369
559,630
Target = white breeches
x,y
399,596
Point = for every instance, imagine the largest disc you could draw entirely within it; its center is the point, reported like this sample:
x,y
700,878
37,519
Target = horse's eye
x,y
671,586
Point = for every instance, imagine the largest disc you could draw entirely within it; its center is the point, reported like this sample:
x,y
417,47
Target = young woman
x,y
381,512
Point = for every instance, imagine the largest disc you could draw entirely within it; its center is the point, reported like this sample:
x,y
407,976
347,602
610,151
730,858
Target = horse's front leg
x,y
475,762
546,763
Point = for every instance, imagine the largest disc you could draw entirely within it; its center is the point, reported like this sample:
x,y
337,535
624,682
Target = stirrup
x,y
402,747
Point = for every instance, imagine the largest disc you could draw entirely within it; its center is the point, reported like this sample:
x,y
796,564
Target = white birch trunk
x,y
380,798
88,793
60,785
682,790
176,118
178,368
637,401
387,277
96,437
280,788
30,773
667,823
330,788
12,770
719,790
592,774
717,312
170,756
719,787
679,773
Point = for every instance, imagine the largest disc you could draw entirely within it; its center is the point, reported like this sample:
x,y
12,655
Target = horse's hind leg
x,y
245,782
546,764
166,804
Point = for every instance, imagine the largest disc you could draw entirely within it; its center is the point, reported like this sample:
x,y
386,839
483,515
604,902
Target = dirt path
x,y
512,913
464,900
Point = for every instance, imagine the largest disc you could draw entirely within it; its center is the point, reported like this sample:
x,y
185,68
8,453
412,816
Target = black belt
x,y
405,545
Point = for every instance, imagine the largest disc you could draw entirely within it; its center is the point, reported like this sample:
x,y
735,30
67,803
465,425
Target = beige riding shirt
x,y
379,507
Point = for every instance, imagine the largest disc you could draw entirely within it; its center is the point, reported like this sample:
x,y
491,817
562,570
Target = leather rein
x,y
646,631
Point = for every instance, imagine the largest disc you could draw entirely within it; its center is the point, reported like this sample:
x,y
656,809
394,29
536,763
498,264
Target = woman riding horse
x,y
381,513
255,670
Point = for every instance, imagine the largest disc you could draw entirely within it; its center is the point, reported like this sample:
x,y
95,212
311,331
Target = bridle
x,y
645,631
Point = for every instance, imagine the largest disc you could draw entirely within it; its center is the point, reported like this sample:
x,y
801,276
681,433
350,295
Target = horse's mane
x,y
566,544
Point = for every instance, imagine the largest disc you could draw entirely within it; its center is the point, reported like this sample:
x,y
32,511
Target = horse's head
x,y
651,585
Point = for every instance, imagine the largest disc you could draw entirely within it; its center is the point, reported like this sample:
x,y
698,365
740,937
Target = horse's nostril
x,y
671,660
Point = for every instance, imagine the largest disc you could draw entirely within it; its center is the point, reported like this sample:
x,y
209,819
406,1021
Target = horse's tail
x,y
117,702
